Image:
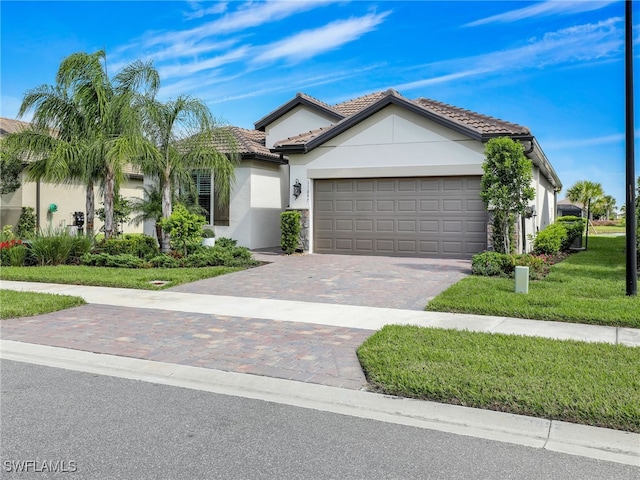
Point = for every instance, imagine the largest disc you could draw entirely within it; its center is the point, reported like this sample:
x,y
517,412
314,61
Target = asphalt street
x,y
100,427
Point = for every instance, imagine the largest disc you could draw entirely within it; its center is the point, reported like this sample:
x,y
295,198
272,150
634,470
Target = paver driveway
x,y
392,282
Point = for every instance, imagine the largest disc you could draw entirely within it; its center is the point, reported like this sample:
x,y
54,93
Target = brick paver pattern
x,y
388,282
296,351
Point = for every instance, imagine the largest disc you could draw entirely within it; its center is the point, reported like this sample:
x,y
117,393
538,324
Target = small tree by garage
x,y
506,187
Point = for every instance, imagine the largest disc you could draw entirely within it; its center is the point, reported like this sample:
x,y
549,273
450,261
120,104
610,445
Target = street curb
x,y
593,442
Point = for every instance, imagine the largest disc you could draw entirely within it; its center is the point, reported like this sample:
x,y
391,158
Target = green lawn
x,y
112,277
587,383
24,304
587,287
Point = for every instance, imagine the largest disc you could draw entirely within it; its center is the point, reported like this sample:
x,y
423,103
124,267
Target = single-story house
x,y
567,207
385,175
55,204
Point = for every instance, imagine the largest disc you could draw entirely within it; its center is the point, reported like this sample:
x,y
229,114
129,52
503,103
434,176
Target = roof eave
x,y
281,160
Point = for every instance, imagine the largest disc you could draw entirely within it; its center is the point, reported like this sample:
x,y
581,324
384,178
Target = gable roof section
x,y
475,125
299,99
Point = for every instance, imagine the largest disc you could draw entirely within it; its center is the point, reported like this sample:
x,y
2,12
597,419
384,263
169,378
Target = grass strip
x,y
112,277
15,304
588,383
587,287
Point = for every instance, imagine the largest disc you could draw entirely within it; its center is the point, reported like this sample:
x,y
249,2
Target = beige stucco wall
x,y
68,198
256,202
298,120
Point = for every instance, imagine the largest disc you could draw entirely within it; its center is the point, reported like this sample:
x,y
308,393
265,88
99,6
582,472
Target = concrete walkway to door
x,y
388,282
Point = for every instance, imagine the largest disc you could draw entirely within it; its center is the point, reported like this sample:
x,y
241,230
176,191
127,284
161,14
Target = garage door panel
x,y
385,206
452,205
429,247
345,244
385,225
449,226
385,185
405,185
452,247
324,225
407,206
385,246
364,225
455,185
429,226
344,226
434,217
364,206
407,226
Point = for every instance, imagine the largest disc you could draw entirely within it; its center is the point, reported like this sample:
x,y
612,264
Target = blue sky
x,y
555,66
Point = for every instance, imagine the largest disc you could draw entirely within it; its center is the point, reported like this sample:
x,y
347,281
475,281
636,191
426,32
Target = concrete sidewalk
x,y
347,316
300,353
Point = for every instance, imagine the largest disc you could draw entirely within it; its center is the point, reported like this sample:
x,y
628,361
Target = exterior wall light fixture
x,y
297,188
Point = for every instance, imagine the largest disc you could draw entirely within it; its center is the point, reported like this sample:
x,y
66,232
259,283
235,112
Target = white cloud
x,y
248,15
197,11
578,44
539,9
310,43
202,65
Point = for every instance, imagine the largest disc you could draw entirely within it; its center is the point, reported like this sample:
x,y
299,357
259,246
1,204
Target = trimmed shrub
x,y
184,229
290,227
106,260
550,240
26,227
224,242
492,264
575,229
538,265
141,246
165,261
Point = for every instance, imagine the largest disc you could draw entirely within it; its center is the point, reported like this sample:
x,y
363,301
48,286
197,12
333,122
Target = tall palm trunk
x,y
109,195
90,209
166,211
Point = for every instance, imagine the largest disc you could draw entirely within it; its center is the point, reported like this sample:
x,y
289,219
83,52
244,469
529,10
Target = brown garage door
x,y
419,217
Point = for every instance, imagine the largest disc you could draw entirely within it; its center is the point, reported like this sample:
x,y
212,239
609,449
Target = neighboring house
x,y
567,207
66,198
258,196
385,175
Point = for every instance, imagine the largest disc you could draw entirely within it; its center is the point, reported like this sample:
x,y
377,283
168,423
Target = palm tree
x,y
585,191
88,127
606,205
186,138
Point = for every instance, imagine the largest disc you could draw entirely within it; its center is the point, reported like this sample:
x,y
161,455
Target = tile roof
x,y
478,125
9,125
355,105
248,143
252,142
481,123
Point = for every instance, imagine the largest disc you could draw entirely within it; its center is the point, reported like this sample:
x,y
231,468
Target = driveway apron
x,y
388,282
